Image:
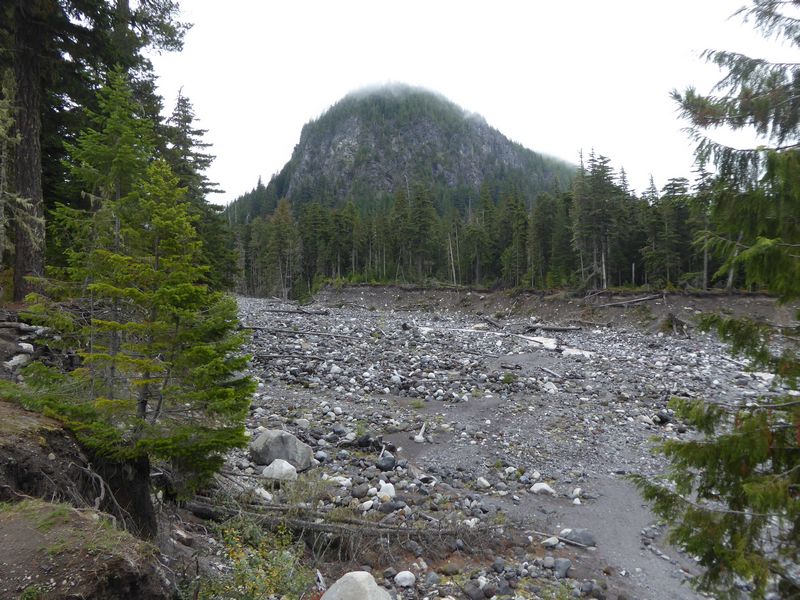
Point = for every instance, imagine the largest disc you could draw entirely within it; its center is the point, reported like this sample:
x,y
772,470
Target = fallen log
x,y
561,539
549,372
591,323
627,302
492,322
532,328
273,356
295,311
23,327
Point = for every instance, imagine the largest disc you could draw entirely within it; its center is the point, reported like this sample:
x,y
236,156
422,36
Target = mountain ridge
x,y
376,140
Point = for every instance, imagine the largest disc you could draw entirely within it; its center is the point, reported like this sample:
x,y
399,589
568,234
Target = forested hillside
x,y
594,233
372,143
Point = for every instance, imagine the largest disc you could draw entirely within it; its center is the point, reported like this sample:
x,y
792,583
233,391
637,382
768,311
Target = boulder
x,y
275,443
356,584
562,567
280,470
581,536
386,462
543,488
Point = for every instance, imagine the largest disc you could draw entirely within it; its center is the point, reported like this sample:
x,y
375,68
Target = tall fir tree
x,y
187,156
158,350
733,491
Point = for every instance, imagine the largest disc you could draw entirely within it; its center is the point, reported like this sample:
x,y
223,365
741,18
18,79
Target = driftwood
x,y
553,328
627,302
350,538
293,332
492,322
561,539
288,355
553,373
294,311
591,323
314,520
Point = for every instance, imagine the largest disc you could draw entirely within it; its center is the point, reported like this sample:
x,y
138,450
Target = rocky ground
x,y
511,419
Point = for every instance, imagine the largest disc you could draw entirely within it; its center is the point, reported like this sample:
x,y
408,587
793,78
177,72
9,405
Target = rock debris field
x,y
512,421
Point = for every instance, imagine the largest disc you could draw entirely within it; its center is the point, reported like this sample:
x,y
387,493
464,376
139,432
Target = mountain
x,y
375,141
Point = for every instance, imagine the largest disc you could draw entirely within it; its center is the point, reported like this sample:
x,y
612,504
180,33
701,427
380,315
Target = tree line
x,y
595,235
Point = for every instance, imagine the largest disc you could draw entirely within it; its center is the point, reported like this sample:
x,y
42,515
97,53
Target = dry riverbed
x,y
512,419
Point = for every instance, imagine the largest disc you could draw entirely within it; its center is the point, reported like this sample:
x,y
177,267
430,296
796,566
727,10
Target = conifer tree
x,y
283,251
424,226
158,349
515,254
733,492
14,209
187,156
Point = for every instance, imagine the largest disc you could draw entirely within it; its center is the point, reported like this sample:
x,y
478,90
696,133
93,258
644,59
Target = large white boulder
x,y
356,585
281,470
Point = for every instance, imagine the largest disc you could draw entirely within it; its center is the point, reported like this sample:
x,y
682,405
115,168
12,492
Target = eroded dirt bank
x,y
522,411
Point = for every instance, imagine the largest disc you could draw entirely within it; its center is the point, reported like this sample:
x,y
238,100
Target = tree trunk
x,y
28,44
705,252
732,270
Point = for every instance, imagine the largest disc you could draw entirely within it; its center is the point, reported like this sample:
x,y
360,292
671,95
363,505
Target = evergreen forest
x,y
589,231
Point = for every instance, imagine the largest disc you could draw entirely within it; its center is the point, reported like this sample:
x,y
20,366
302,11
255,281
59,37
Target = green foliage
x,y
159,366
732,493
188,160
263,564
33,592
508,378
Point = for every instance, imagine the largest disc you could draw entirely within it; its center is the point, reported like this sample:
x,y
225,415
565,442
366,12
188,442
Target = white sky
x,y
554,76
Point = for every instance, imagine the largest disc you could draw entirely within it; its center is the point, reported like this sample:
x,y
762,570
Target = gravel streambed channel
x,y
517,426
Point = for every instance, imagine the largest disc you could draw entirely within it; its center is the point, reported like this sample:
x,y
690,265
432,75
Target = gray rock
x,y
550,542
405,579
360,491
473,592
548,562
582,536
280,470
18,361
432,579
356,584
561,567
543,488
386,462
275,443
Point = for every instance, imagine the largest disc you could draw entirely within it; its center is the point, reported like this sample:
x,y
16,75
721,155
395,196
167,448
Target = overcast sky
x,y
555,76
